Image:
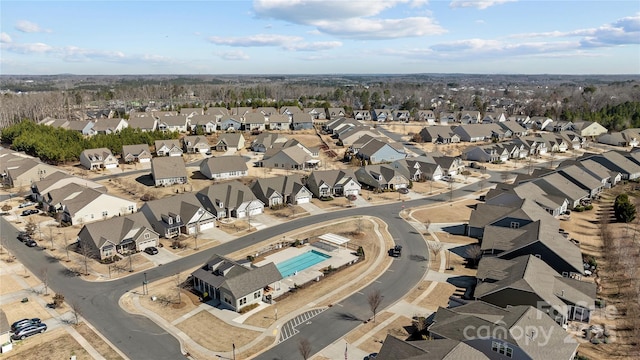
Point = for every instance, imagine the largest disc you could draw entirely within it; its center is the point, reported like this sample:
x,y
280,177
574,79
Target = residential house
x,y
224,167
446,118
401,115
234,285
542,123
602,172
178,214
381,177
230,142
470,117
217,112
109,126
363,115
136,153
255,121
579,176
632,136
553,142
477,132
573,140
332,126
57,123
196,144
334,113
57,180
231,123
290,111
426,115
528,280
515,128
494,118
290,157
589,128
203,124
325,183
281,190
394,348
5,332
379,151
486,153
168,147
420,168
167,171
503,333
381,115
614,138
556,184
119,235
189,112
240,111
279,122
177,123
266,140
79,205
101,158
316,113
352,134
561,125
144,123
301,121
439,135
83,127
615,161
514,214
17,171
231,199
450,165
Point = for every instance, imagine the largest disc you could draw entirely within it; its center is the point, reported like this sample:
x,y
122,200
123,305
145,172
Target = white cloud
x,y
29,48
5,38
233,55
30,27
479,4
349,19
313,46
255,40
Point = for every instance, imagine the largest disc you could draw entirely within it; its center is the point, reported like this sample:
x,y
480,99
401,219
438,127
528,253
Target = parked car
x,y
31,243
29,212
152,250
403,190
26,204
24,322
27,331
23,236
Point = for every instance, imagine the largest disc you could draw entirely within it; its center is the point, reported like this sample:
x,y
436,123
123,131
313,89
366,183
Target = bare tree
x,y
31,227
75,310
178,284
474,253
195,240
374,299
427,224
44,274
435,247
86,253
304,346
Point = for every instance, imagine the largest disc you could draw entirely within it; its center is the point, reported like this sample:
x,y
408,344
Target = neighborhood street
x,y
140,338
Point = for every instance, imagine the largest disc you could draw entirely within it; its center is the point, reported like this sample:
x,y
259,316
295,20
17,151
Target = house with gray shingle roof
x,y
196,144
334,113
556,184
420,168
177,123
144,123
79,204
503,333
101,158
118,235
224,167
5,330
168,147
203,124
234,285
301,121
325,183
290,155
230,141
426,115
281,190
381,177
168,170
266,140
217,112
136,153
57,180
109,126
178,214
353,134
440,349
364,115
255,120
439,135
279,122
379,151
230,199
528,280
382,115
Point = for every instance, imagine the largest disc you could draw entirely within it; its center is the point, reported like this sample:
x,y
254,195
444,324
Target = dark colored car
x,y
31,243
24,322
403,190
27,331
152,250
23,236
395,251
29,212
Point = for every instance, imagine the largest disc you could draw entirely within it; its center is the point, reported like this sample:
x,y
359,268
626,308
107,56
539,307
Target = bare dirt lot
x,y
53,345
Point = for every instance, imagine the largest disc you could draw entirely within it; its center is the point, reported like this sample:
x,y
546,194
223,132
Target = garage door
x,y
304,200
255,211
145,244
111,166
352,192
206,226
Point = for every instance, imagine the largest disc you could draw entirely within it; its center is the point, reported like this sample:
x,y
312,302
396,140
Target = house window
x,y
515,224
105,213
243,301
147,236
256,294
501,348
130,207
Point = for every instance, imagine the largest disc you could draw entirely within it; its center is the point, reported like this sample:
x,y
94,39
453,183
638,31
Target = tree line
x,y
58,145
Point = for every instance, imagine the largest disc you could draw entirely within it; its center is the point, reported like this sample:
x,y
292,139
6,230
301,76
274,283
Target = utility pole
x,y
145,288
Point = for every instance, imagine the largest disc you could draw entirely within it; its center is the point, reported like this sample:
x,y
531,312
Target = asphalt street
x,y
140,338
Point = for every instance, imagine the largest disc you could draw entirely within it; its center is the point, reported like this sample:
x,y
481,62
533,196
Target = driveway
x,y
163,256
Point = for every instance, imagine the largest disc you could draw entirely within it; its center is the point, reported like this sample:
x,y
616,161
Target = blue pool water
x,y
301,262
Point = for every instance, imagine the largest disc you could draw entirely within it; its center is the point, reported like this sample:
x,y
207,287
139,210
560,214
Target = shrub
x,y
588,207
248,308
360,251
578,208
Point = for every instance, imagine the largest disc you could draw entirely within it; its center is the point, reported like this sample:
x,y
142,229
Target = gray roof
x,y
186,205
507,325
58,179
195,140
203,119
579,175
166,167
224,164
440,349
559,185
222,272
170,143
178,120
377,175
107,124
115,229
230,139
231,193
4,323
284,185
135,149
530,274
94,154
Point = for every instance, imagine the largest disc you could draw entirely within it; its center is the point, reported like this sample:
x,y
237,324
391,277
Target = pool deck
x,y
338,258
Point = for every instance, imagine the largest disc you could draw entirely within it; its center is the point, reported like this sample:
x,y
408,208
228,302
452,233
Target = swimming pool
x,y
301,262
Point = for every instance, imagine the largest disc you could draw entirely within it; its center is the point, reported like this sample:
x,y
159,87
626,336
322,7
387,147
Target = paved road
x,y
398,138
140,338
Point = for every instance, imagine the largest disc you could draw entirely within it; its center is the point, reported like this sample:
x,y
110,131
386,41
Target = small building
x,y
136,153
167,171
224,167
168,147
95,159
196,144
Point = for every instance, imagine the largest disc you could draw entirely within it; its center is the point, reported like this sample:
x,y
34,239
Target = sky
x,y
88,37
